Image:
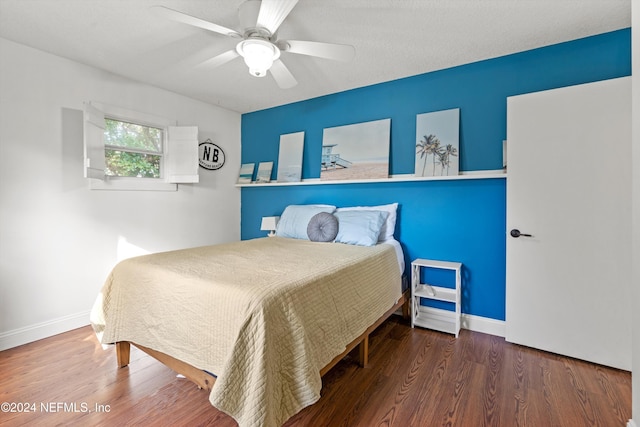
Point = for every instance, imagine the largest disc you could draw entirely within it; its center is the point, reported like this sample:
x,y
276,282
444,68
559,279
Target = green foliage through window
x,y
132,150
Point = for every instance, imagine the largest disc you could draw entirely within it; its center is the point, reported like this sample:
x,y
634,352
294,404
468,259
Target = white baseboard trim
x,y
42,330
631,423
484,325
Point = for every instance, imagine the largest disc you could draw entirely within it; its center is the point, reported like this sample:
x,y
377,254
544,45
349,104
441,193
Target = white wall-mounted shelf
x,y
395,178
429,317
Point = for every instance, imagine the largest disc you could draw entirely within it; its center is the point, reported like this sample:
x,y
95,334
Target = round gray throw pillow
x,y
323,227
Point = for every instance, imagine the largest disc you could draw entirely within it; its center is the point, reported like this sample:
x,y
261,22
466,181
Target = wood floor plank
x,y
430,385
415,377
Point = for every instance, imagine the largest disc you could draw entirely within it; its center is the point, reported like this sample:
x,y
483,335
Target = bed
x,y
256,322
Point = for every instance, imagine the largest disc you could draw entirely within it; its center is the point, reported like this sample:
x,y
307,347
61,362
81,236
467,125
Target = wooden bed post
x,y
363,352
123,352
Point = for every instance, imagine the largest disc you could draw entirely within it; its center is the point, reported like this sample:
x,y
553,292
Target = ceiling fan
x,y
259,44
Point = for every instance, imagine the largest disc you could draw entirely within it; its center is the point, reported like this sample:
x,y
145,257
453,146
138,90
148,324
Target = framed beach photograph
x,y
246,173
358,151
290,157
438,143
264,172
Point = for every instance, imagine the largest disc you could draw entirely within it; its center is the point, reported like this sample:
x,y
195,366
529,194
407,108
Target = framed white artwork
x,y
290,157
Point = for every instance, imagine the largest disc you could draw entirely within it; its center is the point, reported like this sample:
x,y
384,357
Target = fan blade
x,y
282,75
174,15
221,59
273,12
337,52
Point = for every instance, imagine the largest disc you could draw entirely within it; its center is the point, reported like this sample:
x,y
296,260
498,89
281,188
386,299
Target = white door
x,y
569,187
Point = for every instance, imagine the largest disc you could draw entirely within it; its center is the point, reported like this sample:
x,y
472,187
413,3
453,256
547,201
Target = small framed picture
x,y
246,173
264,172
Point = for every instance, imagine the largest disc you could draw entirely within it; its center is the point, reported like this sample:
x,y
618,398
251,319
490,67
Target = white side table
x,y
429,317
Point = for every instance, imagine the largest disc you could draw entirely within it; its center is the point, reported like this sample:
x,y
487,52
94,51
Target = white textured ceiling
x,y
392,38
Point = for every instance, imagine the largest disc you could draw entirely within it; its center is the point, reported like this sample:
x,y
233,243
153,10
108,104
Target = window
x,y
126,150
132,149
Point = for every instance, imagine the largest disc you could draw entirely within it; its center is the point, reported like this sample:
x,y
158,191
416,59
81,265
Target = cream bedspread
x,y
264,315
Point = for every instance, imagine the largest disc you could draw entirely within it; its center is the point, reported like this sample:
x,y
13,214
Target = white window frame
x,y
179,154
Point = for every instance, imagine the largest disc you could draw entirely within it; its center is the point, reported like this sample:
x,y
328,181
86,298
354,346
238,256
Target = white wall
x,y
58,239
635,254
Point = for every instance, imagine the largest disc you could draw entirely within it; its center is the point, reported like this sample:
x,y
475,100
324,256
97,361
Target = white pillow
x,y
359,227
388,228
295,219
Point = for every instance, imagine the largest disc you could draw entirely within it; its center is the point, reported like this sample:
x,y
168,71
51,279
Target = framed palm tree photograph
x,y
438,143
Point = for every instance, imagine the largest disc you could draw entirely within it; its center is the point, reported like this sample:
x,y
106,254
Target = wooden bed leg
x,y
363,350
406,309
123,351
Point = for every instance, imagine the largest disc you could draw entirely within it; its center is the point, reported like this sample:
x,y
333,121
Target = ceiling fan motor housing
x,y
258,54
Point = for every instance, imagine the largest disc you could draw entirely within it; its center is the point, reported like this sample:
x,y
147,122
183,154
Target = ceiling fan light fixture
x,y
258,54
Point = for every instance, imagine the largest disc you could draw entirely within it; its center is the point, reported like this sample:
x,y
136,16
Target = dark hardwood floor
x,y
415,378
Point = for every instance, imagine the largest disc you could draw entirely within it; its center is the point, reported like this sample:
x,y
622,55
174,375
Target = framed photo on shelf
x,y
357,151
264,172
290,157
246,173
437,143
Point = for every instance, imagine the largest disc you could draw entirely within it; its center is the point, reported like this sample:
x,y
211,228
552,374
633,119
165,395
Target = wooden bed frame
x,y
205,380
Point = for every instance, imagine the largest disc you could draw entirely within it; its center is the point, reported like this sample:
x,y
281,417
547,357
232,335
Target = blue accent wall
x,y
461,220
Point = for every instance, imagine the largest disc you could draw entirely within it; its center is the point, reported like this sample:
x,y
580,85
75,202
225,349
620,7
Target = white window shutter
x,y
181,159
94,162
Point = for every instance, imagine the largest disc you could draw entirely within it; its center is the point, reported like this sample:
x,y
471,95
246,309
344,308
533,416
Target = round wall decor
x,y
210,156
